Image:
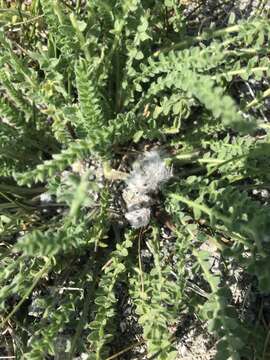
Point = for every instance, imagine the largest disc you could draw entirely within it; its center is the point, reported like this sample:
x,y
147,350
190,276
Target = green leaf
x,y
137,136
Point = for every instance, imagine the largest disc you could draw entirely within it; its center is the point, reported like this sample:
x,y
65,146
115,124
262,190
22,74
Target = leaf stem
x,y
241,71
256,101
209,34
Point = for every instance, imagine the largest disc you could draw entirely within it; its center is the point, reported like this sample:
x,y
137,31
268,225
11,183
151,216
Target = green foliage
x,y
84,88
222,317
157,300
105,299
75,151
90,109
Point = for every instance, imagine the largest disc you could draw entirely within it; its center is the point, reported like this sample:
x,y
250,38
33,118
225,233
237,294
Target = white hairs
x,y
45,198
138,218
148,173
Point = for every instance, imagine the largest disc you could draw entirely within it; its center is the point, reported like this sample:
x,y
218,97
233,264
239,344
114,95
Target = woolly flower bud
x,y
136,200
146,177
148,173
45,198
138,218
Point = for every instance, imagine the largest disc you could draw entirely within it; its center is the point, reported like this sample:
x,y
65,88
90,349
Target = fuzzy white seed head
x,y
45,198
138,218
136,200
148,173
